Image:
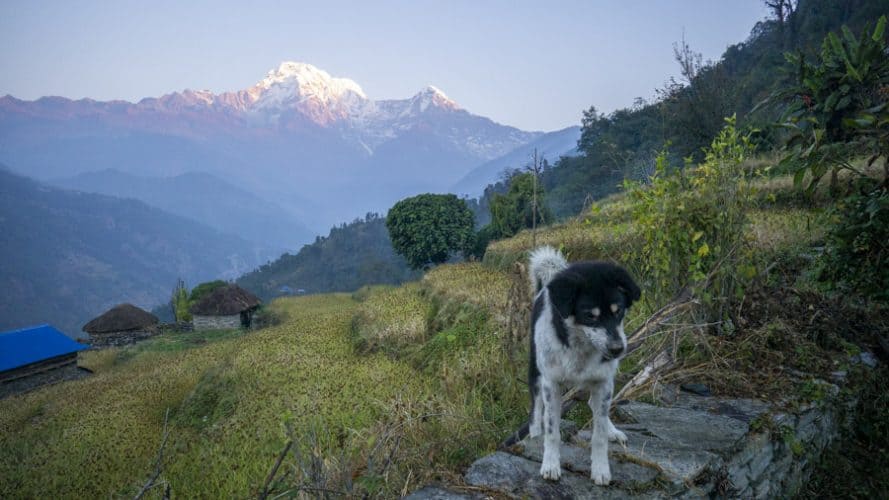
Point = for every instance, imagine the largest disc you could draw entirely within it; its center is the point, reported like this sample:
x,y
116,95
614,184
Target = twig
x,y
683,299
265,487
158,464
657,365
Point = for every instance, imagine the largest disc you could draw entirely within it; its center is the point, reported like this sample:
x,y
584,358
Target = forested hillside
x,y
352,255
688,111
70,255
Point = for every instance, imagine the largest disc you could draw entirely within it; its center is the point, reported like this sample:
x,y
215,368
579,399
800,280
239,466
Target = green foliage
x,y
179,302
688,112
514,210
692,222
839,108
427,229
198,292
856,256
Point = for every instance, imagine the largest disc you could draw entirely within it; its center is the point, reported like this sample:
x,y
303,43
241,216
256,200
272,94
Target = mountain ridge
x,y
298,133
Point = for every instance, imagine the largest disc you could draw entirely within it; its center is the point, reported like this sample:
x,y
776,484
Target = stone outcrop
x,y
689,446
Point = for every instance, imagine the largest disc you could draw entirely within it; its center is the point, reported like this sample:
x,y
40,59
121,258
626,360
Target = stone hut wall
x,y
119,338
216,322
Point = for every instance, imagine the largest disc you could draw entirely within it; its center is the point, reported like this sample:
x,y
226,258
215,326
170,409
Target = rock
x,y
681,464
686,428
761,461
867,358
745,410
519,476
438,493
696,388
576,458
567,428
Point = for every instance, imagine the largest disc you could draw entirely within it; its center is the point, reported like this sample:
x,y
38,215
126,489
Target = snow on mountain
x,y
298,133
313,92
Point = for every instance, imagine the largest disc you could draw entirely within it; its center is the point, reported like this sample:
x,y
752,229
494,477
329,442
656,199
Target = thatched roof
x,y
225,301
121,318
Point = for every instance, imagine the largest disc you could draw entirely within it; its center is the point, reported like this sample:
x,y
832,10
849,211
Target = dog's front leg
x,y
600,403
552,417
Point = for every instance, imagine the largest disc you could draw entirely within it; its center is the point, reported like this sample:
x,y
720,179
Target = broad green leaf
x,y
879,30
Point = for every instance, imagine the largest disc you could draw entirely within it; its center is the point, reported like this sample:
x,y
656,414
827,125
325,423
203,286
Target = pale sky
x,y
533,65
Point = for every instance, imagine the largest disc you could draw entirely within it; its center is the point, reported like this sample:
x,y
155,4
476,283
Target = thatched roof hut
x,y
225,301
229,306
121,318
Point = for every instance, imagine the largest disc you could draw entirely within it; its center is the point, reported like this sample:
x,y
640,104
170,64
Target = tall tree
x,y
427,229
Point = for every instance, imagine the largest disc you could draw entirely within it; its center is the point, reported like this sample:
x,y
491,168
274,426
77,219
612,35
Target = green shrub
x,y
692,223
857,253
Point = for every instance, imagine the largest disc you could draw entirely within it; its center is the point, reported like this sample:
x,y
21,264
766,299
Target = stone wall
x,y
120,338
687,446
216,322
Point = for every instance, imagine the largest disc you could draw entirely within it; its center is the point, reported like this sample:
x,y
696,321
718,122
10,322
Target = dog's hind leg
x,y
552,416
536,420
600,403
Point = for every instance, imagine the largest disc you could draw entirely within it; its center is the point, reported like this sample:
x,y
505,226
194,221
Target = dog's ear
x,y
626,285
563,293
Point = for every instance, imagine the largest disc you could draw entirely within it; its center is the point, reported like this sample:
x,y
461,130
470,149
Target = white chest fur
x,y
580,361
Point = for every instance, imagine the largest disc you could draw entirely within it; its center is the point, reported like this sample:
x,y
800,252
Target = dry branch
x,y
265,487
683,300
158,464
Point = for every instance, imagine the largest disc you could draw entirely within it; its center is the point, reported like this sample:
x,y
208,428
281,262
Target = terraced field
x,y
229,401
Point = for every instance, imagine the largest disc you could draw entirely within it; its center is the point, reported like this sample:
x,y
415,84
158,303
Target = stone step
x,y
575,457
519,476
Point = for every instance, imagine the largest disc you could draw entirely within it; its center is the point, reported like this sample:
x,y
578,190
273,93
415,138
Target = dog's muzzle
x,y
614,349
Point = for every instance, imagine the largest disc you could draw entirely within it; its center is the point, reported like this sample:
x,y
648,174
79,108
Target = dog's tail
x,y
545,263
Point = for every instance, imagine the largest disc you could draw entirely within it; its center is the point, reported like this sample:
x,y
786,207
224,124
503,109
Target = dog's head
x,y
595,296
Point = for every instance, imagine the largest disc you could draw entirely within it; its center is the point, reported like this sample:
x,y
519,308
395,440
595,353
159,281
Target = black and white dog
x,y
577,338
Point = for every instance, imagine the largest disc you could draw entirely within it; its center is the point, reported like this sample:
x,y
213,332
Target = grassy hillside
x,y
391,387
232,399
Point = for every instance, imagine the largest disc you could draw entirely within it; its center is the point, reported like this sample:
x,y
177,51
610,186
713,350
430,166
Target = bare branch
x,y
158,464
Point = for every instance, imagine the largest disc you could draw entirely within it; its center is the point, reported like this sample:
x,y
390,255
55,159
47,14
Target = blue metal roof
x,y
33,344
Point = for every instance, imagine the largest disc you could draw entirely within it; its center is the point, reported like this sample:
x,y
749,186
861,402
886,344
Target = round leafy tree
x,y
427,228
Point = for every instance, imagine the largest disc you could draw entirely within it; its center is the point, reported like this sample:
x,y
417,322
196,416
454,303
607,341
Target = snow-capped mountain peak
x,y
432,96
309,80
308,89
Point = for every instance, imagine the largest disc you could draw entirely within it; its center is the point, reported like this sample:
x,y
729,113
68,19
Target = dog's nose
x,y
615,350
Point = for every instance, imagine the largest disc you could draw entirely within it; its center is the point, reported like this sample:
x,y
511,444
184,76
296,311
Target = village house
x,y
121,325
226,307
34,356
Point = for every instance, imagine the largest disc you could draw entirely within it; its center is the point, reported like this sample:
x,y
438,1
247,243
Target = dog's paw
x,y
600,474
550,471
617,436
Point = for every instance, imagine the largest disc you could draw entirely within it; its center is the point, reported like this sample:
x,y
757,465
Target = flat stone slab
x,y
576,458
520,476
745,410
687,428
679,463
439,493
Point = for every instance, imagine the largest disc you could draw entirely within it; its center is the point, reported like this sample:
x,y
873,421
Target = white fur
x,y
546,262
580,364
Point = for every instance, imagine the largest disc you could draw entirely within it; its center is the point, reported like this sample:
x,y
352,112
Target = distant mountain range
x,y
308,142
550,146
67,256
